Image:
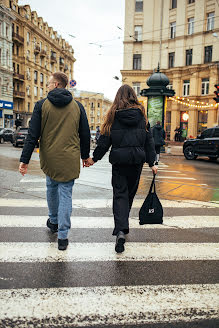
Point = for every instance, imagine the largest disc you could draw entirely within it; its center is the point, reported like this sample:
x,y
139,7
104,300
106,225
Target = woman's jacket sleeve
x,y
150,148
103,144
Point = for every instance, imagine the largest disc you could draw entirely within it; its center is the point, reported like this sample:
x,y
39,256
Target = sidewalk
x,y
173,148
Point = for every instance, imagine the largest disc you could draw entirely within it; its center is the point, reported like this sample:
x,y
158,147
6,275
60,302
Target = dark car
x,y
206,144
19,136
6,135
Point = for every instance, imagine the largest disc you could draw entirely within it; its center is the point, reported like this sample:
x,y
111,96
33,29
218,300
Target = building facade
x,y
6,68
38,51
95,105
183,37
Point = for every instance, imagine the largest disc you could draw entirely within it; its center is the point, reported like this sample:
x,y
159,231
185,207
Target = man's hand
x,y
90,162
23,168
154,169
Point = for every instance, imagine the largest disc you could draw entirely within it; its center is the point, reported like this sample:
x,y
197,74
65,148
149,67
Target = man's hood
x,y
59,97
130,116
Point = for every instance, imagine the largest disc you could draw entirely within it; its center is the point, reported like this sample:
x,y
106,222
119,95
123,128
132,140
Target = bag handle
x,y
152,185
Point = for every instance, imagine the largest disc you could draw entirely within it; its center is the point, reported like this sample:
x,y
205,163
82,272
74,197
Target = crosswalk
x,y
168,274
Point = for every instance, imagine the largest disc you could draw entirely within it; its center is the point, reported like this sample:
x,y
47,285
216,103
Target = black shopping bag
x,y
151,211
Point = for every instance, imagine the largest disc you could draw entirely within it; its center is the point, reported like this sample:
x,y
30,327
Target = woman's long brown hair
x,y
125,98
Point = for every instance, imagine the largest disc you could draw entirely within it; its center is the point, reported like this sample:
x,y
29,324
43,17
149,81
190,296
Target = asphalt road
x,y
167,277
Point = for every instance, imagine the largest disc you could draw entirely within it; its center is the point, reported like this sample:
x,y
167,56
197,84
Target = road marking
x,y
110,304
176,178
48,252
85,222
100,203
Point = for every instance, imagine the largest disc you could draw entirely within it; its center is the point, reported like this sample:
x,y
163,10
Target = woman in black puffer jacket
x,y
125,129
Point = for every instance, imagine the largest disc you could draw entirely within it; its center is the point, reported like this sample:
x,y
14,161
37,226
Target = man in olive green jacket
x,y
60,123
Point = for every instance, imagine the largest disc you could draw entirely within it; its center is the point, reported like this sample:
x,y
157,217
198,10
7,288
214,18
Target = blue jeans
x,y
59,199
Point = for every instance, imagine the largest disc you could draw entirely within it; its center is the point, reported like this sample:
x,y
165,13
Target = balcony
x,y
53,58
18,76
43,53
36,50
17,38
19,94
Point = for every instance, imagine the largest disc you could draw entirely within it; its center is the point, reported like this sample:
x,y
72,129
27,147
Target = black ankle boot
x,y
53,227
120,241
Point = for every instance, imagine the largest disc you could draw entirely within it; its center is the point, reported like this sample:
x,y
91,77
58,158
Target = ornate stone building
x,y
38,50
6,68
95,104
183,36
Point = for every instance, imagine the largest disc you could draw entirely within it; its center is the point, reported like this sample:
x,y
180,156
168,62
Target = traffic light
x,y
216,93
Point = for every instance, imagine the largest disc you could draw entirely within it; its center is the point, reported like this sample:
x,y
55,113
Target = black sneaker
x,y
62,244
53,227
120,241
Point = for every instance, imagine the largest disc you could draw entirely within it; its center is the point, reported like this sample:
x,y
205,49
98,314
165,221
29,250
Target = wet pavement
x,y
177,178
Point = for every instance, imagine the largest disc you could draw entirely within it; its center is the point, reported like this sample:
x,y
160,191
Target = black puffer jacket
x,y
131,142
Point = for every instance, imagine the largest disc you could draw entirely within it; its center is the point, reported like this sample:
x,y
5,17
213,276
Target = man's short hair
x,y
61,78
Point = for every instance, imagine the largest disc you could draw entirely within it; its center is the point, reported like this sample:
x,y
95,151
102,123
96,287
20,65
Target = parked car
x,y
19,136
6,135
206,144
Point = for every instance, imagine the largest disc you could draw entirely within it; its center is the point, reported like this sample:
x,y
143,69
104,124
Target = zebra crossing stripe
x,y
123,305
48,252
100,203
86,222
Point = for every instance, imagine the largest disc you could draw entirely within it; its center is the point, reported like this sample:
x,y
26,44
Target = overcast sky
x,y
90,21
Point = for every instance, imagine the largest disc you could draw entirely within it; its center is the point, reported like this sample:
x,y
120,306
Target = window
x,y
28,37
171,59
41,46
138,33
173,30
1,28
35,91
205,86
28,107
210,21
28,90
216,133
138,5
186,86
208,54
41,93
170,86
35,76
173,4
137,62
0,56
191,1
41,77
137,88
188,57
98,105
7,31
41,62
191,25
17,29
18,69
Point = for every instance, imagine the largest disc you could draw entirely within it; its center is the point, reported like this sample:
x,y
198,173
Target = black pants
x,y
125,180
157,149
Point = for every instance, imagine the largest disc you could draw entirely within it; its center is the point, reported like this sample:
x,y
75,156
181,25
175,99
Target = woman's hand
x,y
154,169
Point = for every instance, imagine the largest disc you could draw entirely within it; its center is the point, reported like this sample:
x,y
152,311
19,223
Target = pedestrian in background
x,y
125,129
159,139
60,123
177,135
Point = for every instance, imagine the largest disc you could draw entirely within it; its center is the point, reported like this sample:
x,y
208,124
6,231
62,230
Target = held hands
x,y
23,168
88,162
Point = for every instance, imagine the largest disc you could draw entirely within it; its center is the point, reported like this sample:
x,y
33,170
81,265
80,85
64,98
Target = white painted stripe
x,y
122,305
100,203
176,178
48,252
87,222
162,170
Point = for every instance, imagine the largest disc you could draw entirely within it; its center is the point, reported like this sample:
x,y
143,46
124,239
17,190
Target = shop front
x,y
202,121
6,114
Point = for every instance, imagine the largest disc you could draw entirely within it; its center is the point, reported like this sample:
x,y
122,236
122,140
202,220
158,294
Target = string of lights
x,y
195,104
